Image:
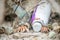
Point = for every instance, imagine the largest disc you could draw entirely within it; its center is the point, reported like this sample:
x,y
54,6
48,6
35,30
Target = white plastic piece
x,y
19,11
41,14
37,27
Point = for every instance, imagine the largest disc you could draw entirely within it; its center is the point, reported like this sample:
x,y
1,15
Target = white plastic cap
x,y
37,27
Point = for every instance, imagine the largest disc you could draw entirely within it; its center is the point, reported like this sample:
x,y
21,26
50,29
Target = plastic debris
x,y
41,15
19,11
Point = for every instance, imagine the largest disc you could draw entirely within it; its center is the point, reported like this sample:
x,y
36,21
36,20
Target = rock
x,y
2,10
54,24
9,30
56,27
26,39
29,5
36,38
50,26
15,36
52,34
7,27
2,30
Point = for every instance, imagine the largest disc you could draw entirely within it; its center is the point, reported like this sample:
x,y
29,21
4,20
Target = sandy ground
x,y
27,36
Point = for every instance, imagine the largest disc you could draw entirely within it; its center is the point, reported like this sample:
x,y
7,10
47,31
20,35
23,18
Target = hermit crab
x,y
23,28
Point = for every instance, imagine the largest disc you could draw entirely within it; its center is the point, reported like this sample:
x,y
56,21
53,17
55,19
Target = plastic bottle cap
x,y
36,27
